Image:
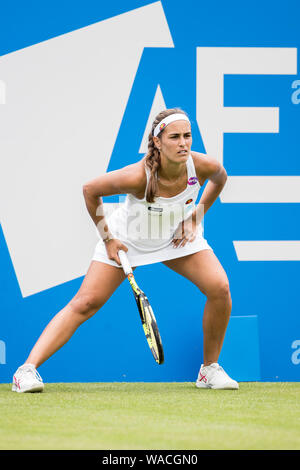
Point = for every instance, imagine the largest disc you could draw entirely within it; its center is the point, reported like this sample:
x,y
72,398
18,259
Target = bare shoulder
x,y
130,179
205,166
133,178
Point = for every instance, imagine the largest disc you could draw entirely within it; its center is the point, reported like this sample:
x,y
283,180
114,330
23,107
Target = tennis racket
x,y
145,311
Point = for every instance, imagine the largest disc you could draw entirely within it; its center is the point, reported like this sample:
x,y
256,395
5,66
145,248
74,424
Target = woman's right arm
x,y
130,179
94,205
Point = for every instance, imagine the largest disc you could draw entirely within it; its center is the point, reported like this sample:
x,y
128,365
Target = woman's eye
x,y
188,136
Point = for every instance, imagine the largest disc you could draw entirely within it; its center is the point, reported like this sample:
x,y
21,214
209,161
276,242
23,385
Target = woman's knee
x,y
85,304
220,290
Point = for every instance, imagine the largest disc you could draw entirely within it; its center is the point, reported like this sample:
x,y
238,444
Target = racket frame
x,y
145,310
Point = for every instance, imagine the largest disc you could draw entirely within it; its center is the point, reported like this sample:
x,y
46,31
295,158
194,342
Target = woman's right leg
x,y
98,285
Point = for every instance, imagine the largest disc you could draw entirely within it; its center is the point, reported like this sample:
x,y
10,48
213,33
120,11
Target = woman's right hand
x,y
112,247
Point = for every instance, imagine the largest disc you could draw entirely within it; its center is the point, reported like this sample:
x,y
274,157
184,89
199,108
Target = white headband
x,y
173,117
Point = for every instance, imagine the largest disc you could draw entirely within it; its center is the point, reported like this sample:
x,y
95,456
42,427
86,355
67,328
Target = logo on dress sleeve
x,y
192,180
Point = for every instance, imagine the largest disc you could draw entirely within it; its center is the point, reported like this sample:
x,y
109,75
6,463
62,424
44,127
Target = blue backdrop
x,y
263,337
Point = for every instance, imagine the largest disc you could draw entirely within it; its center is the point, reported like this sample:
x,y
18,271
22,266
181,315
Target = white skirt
x,y
139,258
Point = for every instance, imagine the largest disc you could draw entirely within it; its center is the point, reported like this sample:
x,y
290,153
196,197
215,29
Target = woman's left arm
x,y
208,168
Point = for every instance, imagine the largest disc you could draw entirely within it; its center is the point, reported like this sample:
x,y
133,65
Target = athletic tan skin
x,y
202,268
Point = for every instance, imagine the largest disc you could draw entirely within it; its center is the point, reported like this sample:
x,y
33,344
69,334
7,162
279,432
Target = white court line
x,y
268,250
261,189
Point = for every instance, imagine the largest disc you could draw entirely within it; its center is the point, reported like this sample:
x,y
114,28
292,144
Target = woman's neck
x,y
171,171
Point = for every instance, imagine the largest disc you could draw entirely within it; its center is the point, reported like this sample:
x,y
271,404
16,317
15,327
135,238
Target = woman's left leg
x,y
205,271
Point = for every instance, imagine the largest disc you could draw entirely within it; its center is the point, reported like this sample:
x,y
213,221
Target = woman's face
x,y
175,141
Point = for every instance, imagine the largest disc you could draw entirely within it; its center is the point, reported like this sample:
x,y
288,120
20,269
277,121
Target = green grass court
x,y
151,416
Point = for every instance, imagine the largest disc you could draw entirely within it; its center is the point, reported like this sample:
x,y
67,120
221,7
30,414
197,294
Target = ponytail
x,y
153,163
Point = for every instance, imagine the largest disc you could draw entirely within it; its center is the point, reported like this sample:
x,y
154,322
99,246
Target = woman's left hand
x,y
185,232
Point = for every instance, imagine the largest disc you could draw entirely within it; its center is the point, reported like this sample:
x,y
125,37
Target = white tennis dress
x,y
147,229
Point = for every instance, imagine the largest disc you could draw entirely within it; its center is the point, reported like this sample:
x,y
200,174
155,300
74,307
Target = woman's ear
x,y
156,142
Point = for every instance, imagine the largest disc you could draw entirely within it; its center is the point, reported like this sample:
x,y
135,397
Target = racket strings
x,y
148,321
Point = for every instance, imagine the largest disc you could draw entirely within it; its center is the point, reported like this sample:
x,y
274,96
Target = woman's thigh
x,y
204,270
99,283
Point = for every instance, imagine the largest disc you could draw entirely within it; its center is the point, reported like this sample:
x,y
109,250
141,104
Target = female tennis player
x,y
159,222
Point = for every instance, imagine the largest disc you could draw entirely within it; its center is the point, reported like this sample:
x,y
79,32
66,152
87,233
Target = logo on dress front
x,y
189,201
155,209
192,180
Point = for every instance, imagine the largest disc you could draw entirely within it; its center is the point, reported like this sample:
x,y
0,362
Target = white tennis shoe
x,y
27,379
214,376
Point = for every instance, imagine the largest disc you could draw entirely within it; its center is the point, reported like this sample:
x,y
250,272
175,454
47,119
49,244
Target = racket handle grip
x,y
125,262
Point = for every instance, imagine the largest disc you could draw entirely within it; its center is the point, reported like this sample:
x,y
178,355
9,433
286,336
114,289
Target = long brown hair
x,y
152,159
